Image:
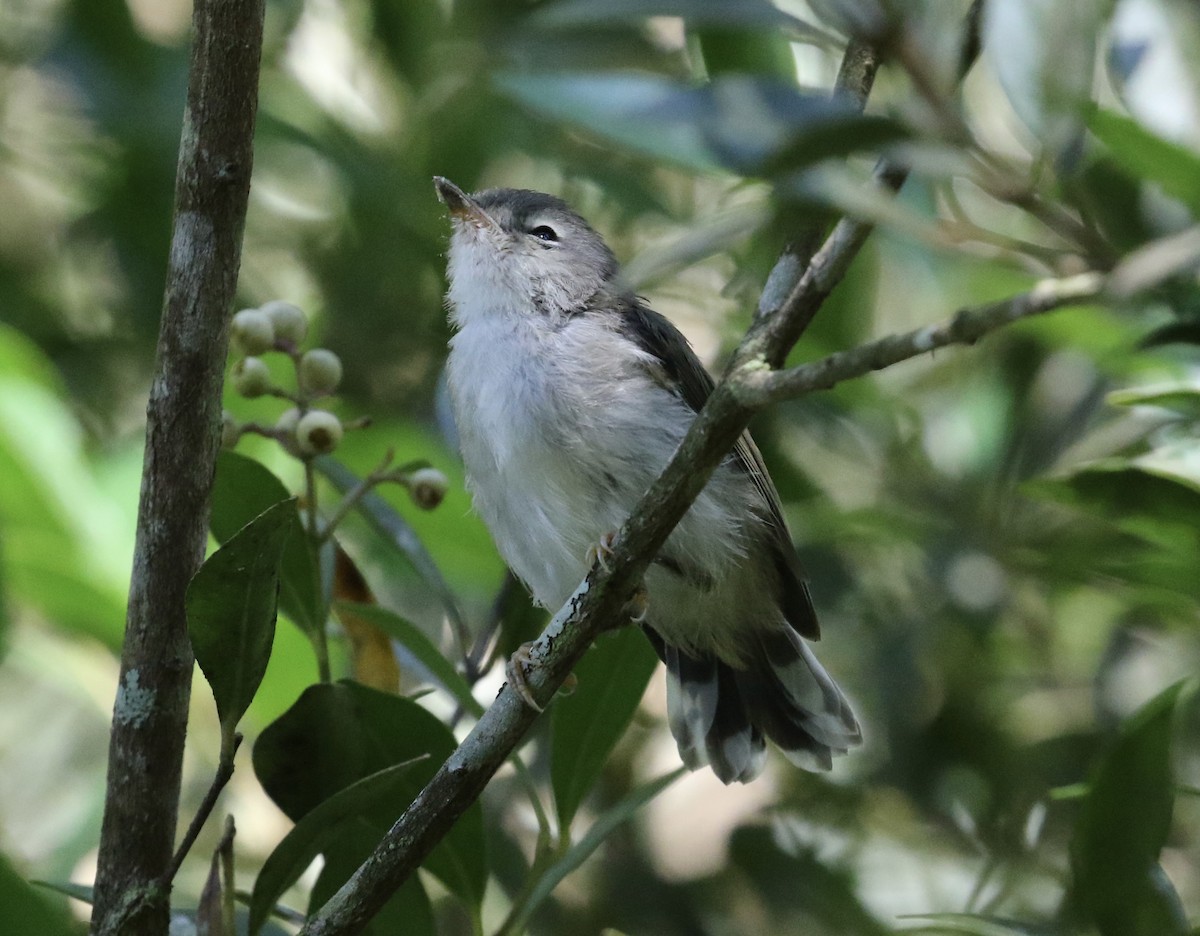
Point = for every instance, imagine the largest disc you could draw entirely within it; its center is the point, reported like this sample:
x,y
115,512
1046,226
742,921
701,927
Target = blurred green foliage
x,y
1002,540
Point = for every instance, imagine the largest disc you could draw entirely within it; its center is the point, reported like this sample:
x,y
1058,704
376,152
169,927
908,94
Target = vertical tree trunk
x,y
182,433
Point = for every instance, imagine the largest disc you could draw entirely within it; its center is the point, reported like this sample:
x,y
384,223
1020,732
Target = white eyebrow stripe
x,y
534,222
545,218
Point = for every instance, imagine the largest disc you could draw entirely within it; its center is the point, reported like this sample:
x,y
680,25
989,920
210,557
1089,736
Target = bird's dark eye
x,y
545,232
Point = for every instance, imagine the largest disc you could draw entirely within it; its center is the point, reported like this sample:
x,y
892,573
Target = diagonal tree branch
x,y
602,597
795,291
183,427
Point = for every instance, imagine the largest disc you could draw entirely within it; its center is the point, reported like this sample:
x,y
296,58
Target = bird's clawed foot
x,y
602,551
515,669
519,664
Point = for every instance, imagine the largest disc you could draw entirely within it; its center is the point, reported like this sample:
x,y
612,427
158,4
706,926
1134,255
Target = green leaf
x,y
1122,827
313,833
789,882
4,619
1186,331
586,725
388,523
1111,195
601,829
1175,168
1182,397
422,648
243,490
740,13
745,123
335,735
1153,506
24,910
231,607
64,544
1151,58
979,924
1151,496
407,911
82,892
21,360
1048,64
519,619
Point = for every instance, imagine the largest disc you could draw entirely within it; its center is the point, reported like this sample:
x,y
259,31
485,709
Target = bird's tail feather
x,y
720,715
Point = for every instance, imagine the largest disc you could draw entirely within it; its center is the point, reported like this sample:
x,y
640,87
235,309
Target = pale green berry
x,y
320,372
288,320
427,487
252,332
318,432
252,378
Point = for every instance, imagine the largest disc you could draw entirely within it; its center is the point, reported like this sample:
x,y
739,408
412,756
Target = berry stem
x,y
320,638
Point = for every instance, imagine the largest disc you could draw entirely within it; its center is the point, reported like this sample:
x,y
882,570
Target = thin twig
x,y
220,779
388,523
280,911
284,394
771,337
310,498
1057,219
960,227
757,386
995,175
855,78
568,858
320,636
544,859
351,498
525,778
484,649
225,851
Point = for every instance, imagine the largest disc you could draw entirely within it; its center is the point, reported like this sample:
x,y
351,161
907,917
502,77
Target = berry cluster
x,y
304,430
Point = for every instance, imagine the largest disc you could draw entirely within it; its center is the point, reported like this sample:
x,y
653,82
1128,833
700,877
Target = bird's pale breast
x,y
558,451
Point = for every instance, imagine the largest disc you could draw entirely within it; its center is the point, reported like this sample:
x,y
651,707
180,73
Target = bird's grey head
x,y
514,252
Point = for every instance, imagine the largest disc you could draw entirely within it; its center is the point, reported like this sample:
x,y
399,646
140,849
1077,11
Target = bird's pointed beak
x,y
461,205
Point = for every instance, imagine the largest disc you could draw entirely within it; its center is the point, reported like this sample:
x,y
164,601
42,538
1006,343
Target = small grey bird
x,y
570,396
